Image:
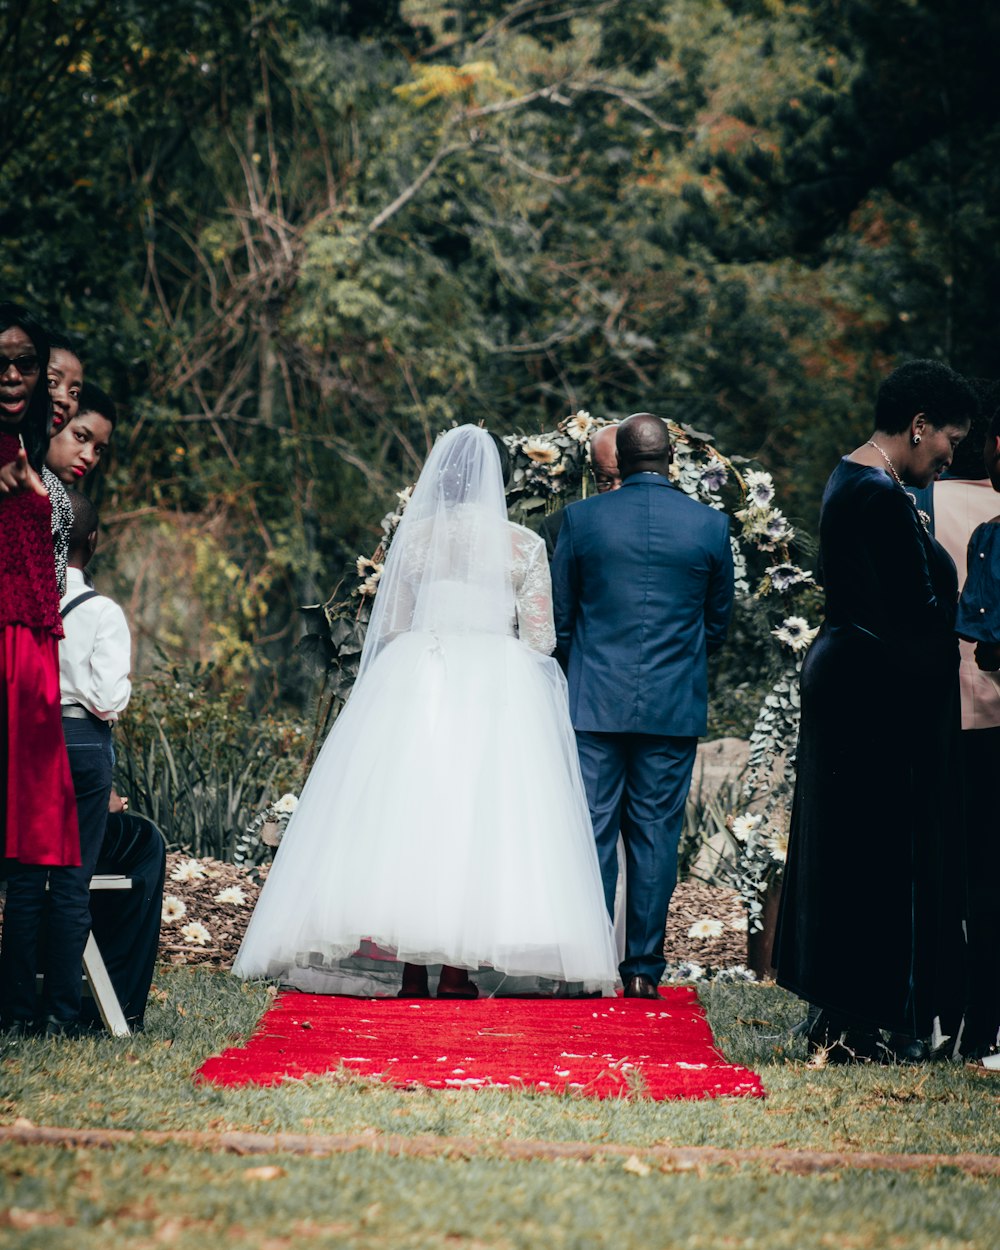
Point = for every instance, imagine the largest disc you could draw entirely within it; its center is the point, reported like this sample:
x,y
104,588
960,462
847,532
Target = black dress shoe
x,y
839,1040
16,1030
61,1028
640,986
902,1049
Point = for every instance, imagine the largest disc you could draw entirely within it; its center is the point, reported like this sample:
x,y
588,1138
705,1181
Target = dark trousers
x,y
981,767
46,931
126,923
638,784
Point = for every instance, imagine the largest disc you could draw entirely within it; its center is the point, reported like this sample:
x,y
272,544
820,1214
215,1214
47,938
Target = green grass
x,y
140,1194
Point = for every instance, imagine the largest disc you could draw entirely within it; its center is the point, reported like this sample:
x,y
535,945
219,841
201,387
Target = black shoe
x,y
840,1041
16,1030
61,1028
640,986
902,1049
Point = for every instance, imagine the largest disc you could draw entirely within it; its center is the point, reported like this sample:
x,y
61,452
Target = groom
x,y
642,582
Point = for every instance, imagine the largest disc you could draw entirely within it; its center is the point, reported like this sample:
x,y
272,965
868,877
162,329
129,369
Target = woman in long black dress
x,y
871,921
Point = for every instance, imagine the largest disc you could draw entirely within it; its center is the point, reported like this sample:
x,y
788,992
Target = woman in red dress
x,y
38,827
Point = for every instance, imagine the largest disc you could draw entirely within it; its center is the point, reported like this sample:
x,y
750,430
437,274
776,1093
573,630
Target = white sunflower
x,y
196,934
173,908
231,894
580,426
188,870
706,928
540,451
795,633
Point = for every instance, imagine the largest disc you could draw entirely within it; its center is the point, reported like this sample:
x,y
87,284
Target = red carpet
x,y
598,1047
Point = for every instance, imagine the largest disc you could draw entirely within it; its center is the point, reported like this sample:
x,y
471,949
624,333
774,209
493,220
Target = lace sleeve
x,y
534,601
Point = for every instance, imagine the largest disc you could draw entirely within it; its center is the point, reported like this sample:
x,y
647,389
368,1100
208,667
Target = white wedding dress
x,y
444,820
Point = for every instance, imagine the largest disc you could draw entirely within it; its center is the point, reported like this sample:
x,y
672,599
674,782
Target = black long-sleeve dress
x,y
873,898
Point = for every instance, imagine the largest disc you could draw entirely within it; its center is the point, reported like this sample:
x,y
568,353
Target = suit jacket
x,y
549,529
642,583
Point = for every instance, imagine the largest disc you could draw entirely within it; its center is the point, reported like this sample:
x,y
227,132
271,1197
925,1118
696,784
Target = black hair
x,y
36,424
927,386
967,462
85,520
993,429
93,399
62,343
504,453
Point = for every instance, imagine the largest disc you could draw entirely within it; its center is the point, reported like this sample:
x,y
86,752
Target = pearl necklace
x,y
892,468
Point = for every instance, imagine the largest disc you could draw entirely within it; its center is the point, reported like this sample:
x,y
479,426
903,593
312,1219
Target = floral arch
x,y
549,470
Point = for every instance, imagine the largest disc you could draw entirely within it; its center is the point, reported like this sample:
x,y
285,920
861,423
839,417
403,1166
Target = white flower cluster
x,y
700,472
764,526
761,851
370,571
267,827
392,519
688,970
736,973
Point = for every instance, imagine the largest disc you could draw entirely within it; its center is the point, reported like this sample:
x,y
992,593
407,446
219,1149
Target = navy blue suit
x,y
642,586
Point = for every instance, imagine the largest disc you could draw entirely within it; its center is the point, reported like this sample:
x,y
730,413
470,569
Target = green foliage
x,y
299,238
199,763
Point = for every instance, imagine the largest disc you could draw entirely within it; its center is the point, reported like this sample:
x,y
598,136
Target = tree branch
x,y
405,196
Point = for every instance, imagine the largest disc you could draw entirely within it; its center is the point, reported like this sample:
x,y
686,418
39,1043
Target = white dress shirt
x,y
96,655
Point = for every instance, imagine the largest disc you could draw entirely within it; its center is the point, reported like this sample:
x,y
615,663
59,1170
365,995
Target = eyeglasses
x,y
603,484
25,365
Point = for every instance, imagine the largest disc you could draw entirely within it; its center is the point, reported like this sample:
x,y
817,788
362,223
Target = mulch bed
x,y
197,894
224,922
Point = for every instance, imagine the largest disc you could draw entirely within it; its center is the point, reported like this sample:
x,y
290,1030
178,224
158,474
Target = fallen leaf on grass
x,y
636,1166
682,1165
268,1172
22,1218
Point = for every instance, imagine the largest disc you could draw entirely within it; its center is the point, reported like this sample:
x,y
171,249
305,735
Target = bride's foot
x,y
455,983
414,982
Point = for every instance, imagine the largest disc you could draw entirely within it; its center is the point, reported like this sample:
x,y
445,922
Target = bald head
x,y
643,445
604,458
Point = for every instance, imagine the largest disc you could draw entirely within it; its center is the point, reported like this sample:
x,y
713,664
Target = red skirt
x,y
37,803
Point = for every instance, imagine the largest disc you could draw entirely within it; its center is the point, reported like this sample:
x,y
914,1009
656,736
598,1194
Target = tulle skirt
x,y
444,821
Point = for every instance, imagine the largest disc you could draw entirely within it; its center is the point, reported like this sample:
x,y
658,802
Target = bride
x,y
444,820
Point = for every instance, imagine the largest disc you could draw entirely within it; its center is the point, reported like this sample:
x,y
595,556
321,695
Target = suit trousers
x,y
47,930
638,784
126,923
